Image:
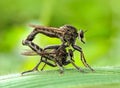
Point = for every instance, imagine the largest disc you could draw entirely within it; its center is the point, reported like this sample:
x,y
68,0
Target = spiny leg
x,y
78,68
52,47
57,63
56,47
54,65
70,55
84,60
48,63
34,69
60,67
82,57
43,65
80,50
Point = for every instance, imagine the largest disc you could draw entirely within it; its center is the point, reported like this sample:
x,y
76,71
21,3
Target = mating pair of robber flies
x,y
56,55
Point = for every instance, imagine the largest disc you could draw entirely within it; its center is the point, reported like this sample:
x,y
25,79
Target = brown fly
x,y
66,33
59,57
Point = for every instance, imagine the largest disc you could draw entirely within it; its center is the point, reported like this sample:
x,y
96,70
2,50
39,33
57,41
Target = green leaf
x,y
104,77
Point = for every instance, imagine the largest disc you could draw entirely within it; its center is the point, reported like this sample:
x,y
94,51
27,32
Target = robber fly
x,y
66,33
58,57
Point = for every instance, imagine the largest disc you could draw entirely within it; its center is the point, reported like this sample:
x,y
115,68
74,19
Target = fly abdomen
x,y
48,31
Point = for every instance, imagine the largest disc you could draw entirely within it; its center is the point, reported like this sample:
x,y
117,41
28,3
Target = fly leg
x,y
82,57
52,47
60,67
70,55
34,69
43,65
53,65
48,63
57,47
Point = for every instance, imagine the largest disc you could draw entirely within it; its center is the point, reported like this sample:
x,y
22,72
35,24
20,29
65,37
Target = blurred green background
x,y
99,17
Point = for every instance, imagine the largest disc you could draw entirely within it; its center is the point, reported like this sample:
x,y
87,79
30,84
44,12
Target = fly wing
x,y
32,53
29,53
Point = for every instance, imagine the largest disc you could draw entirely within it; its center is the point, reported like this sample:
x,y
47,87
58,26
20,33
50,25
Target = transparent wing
x,y
32,53
29,53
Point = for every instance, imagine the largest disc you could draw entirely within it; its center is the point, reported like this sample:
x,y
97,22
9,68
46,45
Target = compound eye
x,y
81,35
